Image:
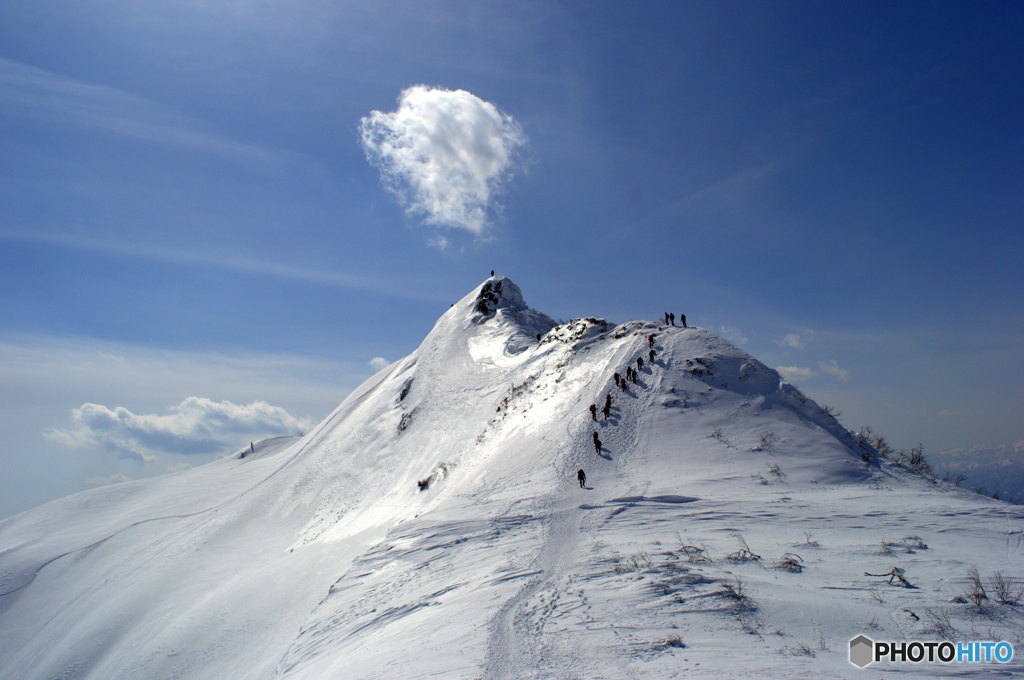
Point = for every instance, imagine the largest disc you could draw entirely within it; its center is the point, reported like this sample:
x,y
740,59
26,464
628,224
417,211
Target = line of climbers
x,y
623,382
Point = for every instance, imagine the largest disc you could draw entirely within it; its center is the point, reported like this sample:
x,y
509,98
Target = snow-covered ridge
x,y
433,525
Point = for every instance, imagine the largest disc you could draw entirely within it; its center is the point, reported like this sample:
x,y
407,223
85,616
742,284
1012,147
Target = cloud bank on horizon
x,y
195,426
446,154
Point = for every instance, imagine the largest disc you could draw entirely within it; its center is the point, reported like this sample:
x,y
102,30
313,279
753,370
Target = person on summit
x,y
593,411
672,319
682,318
666,318
582,476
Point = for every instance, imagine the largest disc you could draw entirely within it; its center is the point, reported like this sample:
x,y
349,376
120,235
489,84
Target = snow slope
x,y
433,526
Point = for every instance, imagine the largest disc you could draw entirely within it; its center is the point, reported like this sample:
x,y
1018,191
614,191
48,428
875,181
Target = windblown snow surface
x,y
724,531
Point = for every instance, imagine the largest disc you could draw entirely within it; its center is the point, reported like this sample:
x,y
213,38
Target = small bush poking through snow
x,y
744,554
766,442
790,562
1004,590
940,624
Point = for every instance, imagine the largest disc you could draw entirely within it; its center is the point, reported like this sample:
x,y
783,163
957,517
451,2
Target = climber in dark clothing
x,y
639,363
617,379
607,410
625,385
682,318
593,412
651,355
597,444
650,340
672,319
582,476
666,318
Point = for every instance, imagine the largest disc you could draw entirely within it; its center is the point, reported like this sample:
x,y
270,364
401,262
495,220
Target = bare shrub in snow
x,y
940,624
632,563
744,554
799,650
790,562
809,543
1004,590
695,554
736,591
915,461
766,442
894,574
914,543
975,592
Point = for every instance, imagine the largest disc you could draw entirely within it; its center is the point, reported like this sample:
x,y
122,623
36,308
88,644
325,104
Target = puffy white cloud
x,y
195,426
377,363
833,370
446,154
793,340
795,372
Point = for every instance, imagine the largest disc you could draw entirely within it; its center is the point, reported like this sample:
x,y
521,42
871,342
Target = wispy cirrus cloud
x,y
832,368
795,372
195,426
446,154
794,341
734,335
224,261
824,368
38,93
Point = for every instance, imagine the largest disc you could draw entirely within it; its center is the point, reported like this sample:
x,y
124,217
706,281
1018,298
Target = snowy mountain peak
x,y
498,292
493,322
437,524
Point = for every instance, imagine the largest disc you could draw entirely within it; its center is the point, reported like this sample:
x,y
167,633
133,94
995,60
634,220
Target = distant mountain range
x,y
988,468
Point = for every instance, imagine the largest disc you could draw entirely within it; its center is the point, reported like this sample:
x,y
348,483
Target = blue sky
x,y
188,208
